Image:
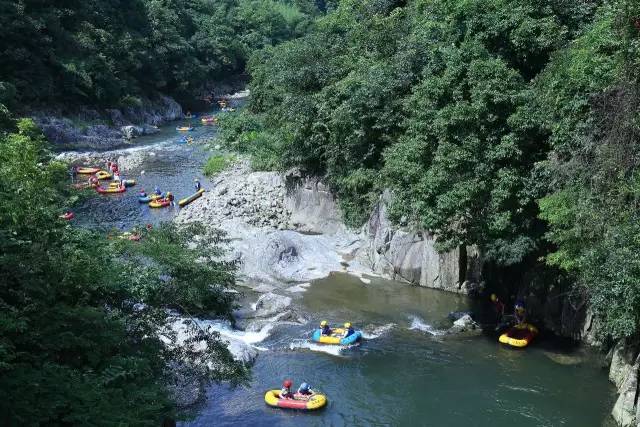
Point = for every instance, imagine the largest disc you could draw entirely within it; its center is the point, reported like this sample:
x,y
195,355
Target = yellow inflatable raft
x,y
103,175
519,336
310,403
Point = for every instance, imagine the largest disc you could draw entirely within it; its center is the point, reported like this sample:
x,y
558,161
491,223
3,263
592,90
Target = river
x,y
406,372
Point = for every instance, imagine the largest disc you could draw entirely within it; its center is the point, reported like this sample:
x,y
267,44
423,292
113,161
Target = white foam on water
x,y
225,330
377,331
302,287
365,280
334,350
418,324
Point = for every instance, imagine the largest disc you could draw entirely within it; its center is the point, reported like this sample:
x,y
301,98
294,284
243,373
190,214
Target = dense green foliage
x,y
507,124
84,320
590,97
110,52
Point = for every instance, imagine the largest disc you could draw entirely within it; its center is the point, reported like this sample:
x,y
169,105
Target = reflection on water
x,y
405,375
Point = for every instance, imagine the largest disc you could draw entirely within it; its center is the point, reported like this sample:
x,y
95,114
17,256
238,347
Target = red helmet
x,y
287,383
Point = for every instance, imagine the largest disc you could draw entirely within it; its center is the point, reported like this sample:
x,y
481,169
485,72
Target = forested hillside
x,y
511,125
107,53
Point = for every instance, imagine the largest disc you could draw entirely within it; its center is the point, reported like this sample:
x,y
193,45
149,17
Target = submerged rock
x,y
464,325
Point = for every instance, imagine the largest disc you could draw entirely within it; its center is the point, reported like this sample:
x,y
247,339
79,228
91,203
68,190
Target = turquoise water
x,y
413,377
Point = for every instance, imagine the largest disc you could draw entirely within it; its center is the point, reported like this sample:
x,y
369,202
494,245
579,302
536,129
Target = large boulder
x,y
132,131
270,304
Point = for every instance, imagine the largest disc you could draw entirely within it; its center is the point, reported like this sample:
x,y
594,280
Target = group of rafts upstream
x,y
120,186
518,336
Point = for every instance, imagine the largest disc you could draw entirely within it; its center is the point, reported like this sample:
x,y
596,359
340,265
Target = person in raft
x,y
197,184
286,392
169,197
305,390
157,191
519,312
498,306
324,328
348,330
94,181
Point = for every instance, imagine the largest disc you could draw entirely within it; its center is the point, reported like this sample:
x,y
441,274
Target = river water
x,y
406,373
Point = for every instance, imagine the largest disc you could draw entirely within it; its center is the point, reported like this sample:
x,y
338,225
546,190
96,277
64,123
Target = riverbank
x,y
91,128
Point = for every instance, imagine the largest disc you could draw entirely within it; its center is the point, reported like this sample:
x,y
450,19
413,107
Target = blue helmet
x,y
304,387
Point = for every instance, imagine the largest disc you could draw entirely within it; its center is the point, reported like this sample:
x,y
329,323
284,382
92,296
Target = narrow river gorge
x,y
407,371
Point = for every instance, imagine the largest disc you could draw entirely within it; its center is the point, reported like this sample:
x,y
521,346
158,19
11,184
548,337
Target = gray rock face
x,y
623,372
411,255
87,128
313,207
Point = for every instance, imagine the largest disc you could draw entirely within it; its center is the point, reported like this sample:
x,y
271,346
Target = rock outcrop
x,y
624,372
312,205
92,129
411,256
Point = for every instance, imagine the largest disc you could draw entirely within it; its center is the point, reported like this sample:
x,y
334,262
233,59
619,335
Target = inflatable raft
x,y
304,403
87,171
209,120
159,203
184,128
146,198
110,189
336,337
103,175
519,335
191,198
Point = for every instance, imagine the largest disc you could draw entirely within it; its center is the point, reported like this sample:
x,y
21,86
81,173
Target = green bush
x,y
217,163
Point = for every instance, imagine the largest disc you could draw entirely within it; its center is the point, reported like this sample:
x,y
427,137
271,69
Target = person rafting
x,y
286,393
348,330
305,390
324,328
519,312
498,306
169,197
116,177
157,191
93,180
197,184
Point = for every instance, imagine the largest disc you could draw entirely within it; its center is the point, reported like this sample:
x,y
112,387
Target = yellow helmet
x,y
493,297
347,325
323,323
168,193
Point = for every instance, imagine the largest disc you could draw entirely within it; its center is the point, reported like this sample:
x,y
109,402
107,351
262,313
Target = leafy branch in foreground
x,y
86,332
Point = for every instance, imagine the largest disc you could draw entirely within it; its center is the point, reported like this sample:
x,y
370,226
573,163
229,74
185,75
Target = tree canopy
x,y
510,125
106,53
84,320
